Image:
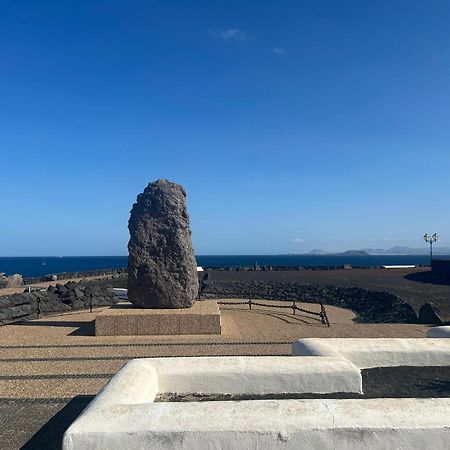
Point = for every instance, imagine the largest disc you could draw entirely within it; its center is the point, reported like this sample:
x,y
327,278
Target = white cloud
x,y
298,240
278,50
231,34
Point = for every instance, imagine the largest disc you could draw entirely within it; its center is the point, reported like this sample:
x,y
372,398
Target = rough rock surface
x,y
429,314
162,270
56,299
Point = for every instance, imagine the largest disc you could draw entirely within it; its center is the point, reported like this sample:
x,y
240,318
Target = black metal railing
x,y
322,314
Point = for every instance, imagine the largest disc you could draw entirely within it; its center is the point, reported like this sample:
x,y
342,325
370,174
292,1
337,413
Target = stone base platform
x,y
125,320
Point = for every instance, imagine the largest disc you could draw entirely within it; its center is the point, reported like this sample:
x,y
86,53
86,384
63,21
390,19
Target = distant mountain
x,y
346,253
396,251
408,251
353,253
316,252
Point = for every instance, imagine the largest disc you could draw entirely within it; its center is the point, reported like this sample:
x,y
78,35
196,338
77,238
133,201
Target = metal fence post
x,y
38,312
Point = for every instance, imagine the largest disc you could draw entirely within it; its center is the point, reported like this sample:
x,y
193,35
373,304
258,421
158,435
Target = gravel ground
x,y
49,366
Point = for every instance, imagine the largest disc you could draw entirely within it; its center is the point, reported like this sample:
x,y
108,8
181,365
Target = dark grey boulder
x,y
62,290
78,304
78,293
429,314
162,270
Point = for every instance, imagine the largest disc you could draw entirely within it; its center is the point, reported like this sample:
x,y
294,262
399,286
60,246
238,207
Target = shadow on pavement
x,y
51,323
428,278
84,328
50,436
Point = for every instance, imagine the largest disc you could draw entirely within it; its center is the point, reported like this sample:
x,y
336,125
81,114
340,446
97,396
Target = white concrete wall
x,y
267,424
256,375
384,352
124,415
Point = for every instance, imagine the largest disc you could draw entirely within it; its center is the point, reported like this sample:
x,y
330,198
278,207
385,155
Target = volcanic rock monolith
x,y
162,270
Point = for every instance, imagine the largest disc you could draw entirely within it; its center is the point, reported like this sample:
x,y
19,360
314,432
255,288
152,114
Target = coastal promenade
x,y
50,368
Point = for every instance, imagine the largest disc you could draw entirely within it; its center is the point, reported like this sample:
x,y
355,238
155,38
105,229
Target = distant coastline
x,y
393,251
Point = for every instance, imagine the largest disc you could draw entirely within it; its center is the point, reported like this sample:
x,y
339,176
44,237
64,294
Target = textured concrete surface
x,y
125,320
288,424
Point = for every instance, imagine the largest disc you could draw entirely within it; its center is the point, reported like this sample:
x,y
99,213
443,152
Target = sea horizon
x,y
38,266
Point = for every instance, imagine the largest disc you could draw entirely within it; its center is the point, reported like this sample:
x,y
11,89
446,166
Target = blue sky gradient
x,y
293,125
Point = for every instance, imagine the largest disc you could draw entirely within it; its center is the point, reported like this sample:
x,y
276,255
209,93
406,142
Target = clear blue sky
x,y
293,125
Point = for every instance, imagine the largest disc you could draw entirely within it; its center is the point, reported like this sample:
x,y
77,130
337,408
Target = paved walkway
x,y
50,368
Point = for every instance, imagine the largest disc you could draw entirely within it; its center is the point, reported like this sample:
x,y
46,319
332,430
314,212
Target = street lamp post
x,y
431,240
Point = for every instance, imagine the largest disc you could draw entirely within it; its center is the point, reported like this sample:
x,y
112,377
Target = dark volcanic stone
x,y
78,293
19,307
162,271
370,306
429,314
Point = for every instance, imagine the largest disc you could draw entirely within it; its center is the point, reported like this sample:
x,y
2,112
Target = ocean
x,y
40,266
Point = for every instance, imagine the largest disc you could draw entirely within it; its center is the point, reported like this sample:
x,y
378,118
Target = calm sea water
x,y
33,266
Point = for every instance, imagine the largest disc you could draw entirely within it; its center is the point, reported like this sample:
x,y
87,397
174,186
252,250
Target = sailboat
x,y
43,262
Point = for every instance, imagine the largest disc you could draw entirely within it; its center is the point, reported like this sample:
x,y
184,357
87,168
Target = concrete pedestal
x,y
125,320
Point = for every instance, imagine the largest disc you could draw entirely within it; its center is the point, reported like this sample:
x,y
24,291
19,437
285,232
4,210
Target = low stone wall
x,y
56,299
127,413
67,275
370,306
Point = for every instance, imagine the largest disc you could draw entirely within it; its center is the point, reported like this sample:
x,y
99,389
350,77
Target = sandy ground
x,y
46,284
